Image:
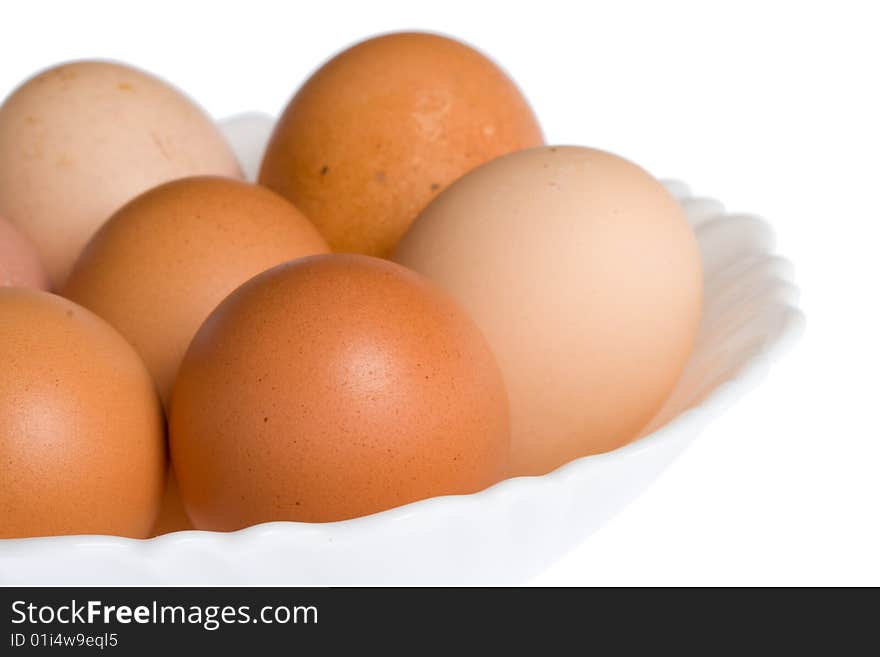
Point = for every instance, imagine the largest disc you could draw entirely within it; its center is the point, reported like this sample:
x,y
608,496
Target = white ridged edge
x,y
510,531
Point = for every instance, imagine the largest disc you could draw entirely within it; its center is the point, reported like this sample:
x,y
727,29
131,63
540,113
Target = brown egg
x,y
381,128
585,278
172,515
79,140
19,263
81,430
332,387
161,264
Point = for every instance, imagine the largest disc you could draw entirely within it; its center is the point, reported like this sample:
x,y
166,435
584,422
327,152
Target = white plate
x,y
508,532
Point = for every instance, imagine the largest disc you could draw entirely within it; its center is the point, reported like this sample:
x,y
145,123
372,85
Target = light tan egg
x,y
81,139
585,278
20,264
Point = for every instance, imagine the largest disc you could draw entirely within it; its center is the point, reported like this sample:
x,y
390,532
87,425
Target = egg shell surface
x,y
382,127
81,429
79,140
20,264
333,387
585,278
163,262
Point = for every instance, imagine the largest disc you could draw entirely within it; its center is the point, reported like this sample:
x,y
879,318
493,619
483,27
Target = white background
x,y
772,107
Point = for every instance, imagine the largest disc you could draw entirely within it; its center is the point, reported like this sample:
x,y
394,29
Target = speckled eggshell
x,y
585,278
80,139
82,441
332,387
19,262
381,128
163,262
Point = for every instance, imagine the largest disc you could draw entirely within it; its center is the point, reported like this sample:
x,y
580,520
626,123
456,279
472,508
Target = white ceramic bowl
x,y
508,532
